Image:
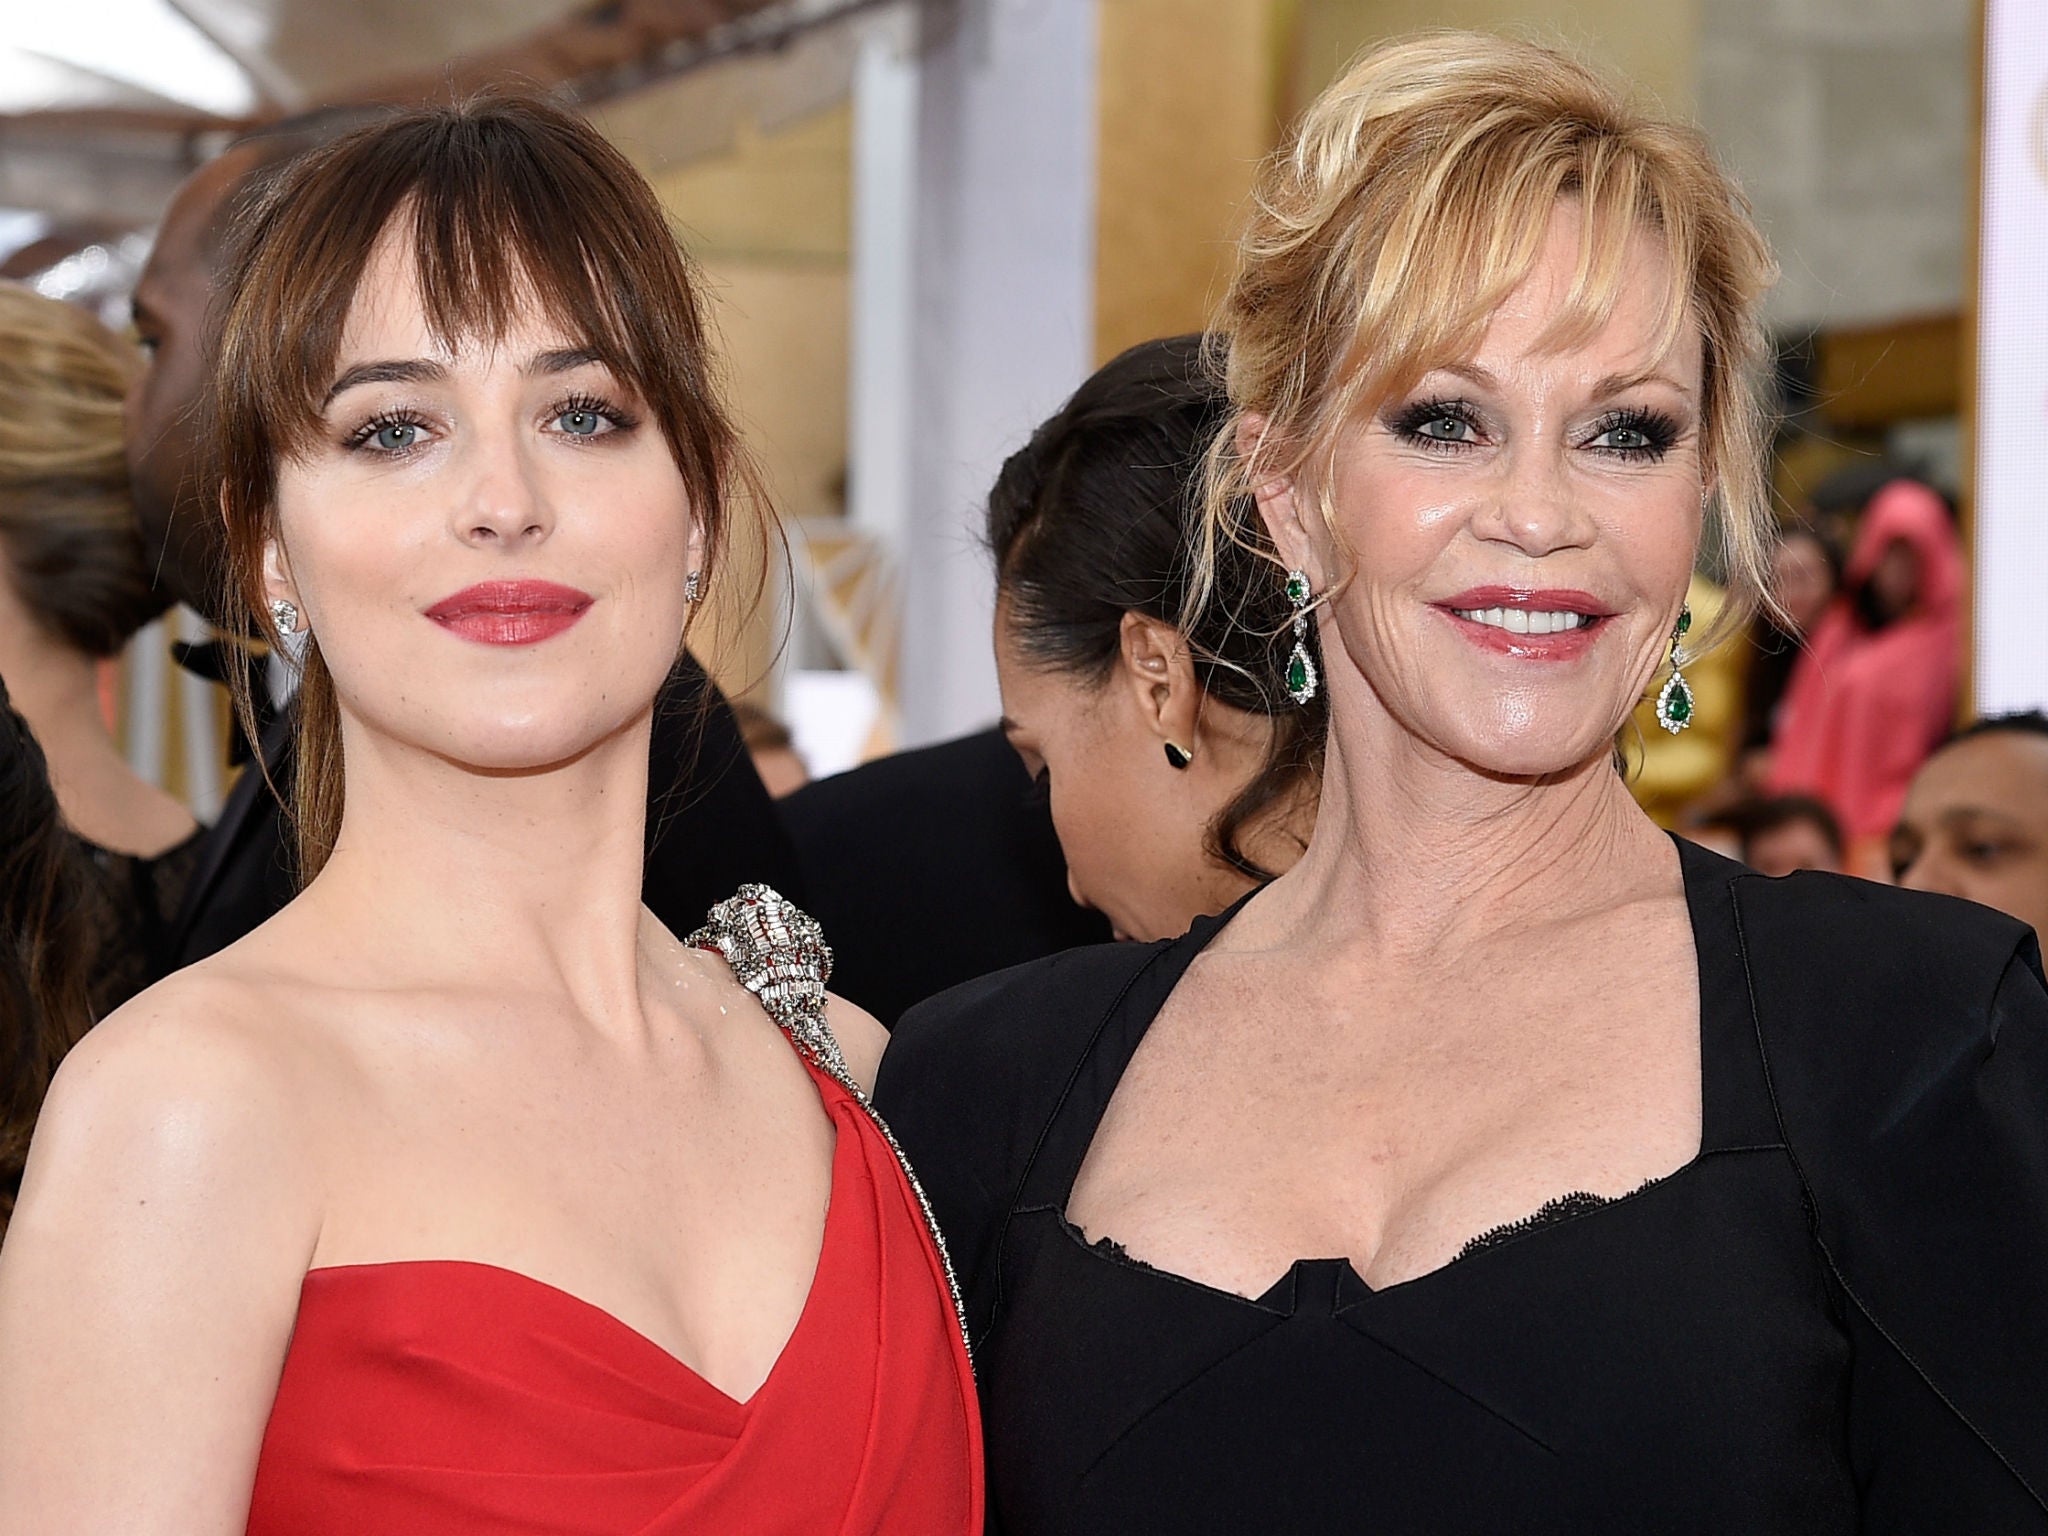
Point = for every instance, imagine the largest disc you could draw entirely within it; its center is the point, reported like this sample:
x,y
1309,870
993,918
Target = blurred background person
x,y
1875,688
1179,772
73,589
48,943
931,867
771,749
1806,573
1781,834
710,824
1975,821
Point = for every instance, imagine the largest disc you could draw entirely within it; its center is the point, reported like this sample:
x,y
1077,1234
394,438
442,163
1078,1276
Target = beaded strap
x,y
778,952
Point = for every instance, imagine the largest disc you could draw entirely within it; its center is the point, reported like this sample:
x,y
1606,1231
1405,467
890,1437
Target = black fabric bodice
x,y
1672,1354
1681,1360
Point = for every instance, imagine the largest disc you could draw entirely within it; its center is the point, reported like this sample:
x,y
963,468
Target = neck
x,y
523,884
1417,852
56,690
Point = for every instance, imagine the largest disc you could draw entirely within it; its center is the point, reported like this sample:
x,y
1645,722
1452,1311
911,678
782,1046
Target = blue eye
x,y
396,436
1445,429
580,423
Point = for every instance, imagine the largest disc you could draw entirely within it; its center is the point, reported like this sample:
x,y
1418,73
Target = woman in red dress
x,y
462,1196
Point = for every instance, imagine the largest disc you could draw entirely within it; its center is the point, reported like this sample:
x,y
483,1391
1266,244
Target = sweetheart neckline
x,y
840,1145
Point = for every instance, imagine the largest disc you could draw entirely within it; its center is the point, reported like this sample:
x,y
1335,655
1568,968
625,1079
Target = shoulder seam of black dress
x,y
1013,1197
1813,1201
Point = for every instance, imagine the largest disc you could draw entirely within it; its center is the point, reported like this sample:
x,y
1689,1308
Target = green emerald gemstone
x,y
1297,673
1680,707
1297,588
1684,620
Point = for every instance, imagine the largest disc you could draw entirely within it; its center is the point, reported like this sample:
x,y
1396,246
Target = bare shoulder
x,y
861,1039
173,1102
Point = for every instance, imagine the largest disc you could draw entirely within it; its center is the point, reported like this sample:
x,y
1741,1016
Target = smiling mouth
x,y
1528,621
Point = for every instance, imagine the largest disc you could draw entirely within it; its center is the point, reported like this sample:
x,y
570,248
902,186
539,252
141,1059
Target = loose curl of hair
x,y
509,203
67,526
1410,201
47,944
1099,515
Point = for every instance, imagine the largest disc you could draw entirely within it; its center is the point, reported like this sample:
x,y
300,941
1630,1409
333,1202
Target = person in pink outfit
x,y
1876,689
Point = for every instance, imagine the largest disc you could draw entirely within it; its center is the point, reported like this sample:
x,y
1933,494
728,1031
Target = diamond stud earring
x,y
284,613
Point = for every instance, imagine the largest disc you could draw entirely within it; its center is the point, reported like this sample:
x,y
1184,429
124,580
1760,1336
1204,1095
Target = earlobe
x,y
1159,670
1279,508
277,572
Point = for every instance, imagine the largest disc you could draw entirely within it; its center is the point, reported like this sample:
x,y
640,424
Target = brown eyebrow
x,y
392,371
424,371
563,360
1616,383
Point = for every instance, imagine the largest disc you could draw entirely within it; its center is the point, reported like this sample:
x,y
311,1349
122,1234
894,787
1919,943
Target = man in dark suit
x,y
710,824
933,867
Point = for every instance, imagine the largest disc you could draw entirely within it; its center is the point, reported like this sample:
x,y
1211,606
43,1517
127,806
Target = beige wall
x,y
1189,94
1654,43
769,224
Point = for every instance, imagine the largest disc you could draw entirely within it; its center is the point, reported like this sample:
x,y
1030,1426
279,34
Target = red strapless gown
x,y
454,1398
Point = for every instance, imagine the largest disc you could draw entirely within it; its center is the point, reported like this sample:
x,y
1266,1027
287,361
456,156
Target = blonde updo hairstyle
x,y
67,527
1411,200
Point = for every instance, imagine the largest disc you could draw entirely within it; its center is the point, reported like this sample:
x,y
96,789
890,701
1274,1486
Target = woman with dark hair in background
x,y
73,589
462,1196
1180,774
47,943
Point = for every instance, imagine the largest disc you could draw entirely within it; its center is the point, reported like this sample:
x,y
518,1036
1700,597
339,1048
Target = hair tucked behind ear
x,y
1097,516
46,944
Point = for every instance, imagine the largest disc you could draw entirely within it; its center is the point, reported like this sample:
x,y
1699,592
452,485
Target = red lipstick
x,y
511,612
1487,616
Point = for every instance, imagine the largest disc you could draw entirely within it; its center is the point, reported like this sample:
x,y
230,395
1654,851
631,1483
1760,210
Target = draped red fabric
x,y
458,1399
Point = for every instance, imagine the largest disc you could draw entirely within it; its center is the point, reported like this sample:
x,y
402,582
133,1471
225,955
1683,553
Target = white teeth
x,y
1524,621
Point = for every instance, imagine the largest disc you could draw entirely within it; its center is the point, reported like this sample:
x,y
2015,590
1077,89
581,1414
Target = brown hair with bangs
x,y
1412,199
510,202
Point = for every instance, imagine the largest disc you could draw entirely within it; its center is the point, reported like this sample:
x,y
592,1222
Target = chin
x,y
1522,742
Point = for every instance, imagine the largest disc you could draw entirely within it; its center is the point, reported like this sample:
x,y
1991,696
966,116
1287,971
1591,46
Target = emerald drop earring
x,y
1674,701
1300,676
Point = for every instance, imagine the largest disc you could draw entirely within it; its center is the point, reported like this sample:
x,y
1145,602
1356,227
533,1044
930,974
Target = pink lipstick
x,y
511,612
1545,624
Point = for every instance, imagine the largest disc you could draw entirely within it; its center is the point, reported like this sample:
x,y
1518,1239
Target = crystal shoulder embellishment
x,y
778,952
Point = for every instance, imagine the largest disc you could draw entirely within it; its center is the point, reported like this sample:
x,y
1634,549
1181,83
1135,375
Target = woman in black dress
x,y
1503,1166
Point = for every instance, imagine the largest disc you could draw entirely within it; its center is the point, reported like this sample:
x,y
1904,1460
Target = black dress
x,y
1834,1319
931,867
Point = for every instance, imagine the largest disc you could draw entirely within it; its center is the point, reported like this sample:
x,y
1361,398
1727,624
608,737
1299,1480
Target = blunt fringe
x,y
1411,200
510,203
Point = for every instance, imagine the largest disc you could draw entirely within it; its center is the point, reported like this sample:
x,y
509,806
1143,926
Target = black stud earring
x,y
1178,756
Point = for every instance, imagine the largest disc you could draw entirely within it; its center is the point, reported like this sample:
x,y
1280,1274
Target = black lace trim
x,y
1577,1203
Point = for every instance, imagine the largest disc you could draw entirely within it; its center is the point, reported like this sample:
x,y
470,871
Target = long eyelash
x,y
377,423
610,410
1660,429
1408,422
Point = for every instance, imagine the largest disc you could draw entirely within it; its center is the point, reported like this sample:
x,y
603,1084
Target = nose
x,y
506,501
1534,507
1932,872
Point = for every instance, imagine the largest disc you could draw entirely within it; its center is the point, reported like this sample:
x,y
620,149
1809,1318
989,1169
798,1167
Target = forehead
x,y
2004,771
388,315
1557,319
